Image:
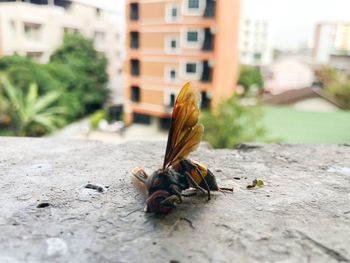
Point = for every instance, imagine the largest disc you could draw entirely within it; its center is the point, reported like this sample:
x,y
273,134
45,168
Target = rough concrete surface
x,y
302,214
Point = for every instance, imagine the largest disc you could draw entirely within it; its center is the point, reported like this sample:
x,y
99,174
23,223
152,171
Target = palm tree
x,y
31,114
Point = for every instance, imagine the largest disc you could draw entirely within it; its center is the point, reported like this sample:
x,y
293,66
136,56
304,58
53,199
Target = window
x,y
171,44
38,2
192,36
135,93
173,74
194,7
134,11
36,56
135,67
191,68
141,118
13,29
134,40
70,30
99,36
170,74
98,11
257,56
193,4
169,100
172,99
172,13
62,3
32,31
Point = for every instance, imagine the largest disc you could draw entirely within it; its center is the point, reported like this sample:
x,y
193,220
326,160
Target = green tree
x,y
21,70
250,77
327,76
31,114
89,82
341,93
231,123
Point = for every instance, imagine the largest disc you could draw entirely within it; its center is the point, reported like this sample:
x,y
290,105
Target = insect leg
x,y
224,189
171,200
188,176
205,181
175,189
192,193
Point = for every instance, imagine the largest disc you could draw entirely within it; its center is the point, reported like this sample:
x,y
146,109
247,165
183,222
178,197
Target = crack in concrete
x,y
331,252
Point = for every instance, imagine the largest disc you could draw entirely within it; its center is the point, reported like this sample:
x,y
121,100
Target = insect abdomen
x,y
199,171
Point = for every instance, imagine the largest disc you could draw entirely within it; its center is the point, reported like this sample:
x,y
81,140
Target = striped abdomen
x,y
198,171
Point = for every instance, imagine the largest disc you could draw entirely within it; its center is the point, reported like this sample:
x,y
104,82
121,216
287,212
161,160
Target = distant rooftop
x,y
295,95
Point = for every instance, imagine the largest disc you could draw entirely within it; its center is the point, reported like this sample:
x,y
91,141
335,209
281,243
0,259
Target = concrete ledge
x,y
47,214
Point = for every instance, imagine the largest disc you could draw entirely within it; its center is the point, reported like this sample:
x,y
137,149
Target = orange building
x,y
170,42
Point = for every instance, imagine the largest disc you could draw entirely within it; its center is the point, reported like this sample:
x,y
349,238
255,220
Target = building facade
x,y
170,42
255,45
331,38
288,73
35,28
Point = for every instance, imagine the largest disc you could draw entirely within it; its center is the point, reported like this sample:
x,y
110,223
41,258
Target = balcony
x,y
134,40
135,67
209,37
210,8
207,72
134,11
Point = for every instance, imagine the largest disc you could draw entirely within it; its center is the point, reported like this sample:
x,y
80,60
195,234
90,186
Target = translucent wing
x,y
185,132
140,178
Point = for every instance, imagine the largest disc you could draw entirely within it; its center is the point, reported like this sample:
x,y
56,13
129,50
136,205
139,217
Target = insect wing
x,y
185,132
140,178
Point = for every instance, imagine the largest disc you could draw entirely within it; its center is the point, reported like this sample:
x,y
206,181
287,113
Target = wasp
x,y
178,173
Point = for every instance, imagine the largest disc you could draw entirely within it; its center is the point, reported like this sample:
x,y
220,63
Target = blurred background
x,y
266,70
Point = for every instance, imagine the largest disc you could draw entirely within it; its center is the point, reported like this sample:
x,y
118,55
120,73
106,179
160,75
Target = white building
x,y
35,28
288,73
255,42
331,38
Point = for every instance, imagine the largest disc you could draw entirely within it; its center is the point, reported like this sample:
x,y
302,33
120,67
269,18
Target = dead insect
x,y
178,173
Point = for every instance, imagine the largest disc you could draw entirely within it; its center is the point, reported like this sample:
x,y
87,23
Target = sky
x,y
292,20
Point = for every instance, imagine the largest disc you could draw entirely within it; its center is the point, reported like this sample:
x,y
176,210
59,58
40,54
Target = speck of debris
x,y
174,261
95,187
43,205
237,178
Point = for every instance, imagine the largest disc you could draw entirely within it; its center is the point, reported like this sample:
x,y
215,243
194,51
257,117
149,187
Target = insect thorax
x,y
163,179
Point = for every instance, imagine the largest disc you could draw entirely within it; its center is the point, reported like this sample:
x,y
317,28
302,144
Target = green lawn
x,y
293,126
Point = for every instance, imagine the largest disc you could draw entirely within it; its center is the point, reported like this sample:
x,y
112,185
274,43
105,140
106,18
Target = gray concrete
x,y
301,215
